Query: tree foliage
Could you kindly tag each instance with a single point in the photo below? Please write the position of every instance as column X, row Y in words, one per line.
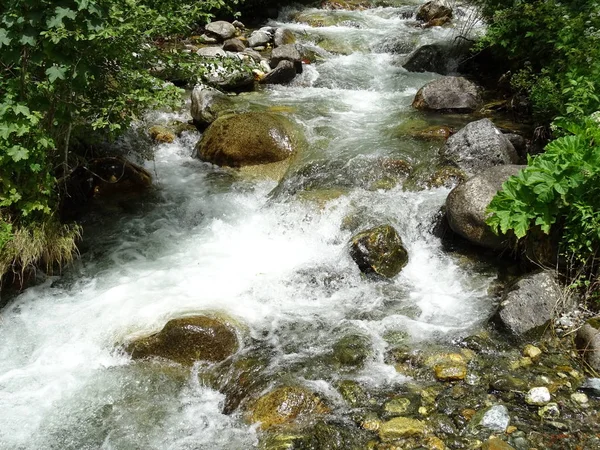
column 71, row 70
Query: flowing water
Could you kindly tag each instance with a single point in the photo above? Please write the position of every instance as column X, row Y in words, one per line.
column 274, row 260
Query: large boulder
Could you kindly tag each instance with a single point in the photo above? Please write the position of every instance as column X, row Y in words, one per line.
column 530, row 303
column 249, row 139
column 439, row 57
column 427, row 58
column 448, row 94
column 286, row 404
column 282, row 74
column 379, row 251
column 433, row 10
column 588, row 342
column 287, row 52
column 467, row 203
column 207, row 104
column 221, row 29
column 189, row 339
column 477, row 146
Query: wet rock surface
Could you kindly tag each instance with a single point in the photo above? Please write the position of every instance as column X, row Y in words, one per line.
column 249, row 139
column 379, row 251
column 187, row 340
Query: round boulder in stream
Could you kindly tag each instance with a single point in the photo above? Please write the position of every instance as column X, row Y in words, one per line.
column 188, row 339
column 248, row 139
column 379, row 251
column 477, row 146
column 466, row 206
column 285, row 405
column 448, row 94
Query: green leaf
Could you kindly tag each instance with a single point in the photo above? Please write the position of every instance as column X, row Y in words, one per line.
column 4, row 39
column 56, row 72
column 18, row 153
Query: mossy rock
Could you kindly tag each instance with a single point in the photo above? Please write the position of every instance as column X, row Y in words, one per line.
column 285, row 405
column 161, row 134
column 248, row 139
column 379, row 251
column 353, row 393
column 447, row 176
column 352, row 350
column 401, row 427
column 187, row 340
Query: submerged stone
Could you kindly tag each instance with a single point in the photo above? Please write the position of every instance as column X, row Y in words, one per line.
column 401, row 427
column 352, row 350
column 380, row 251
column 187, row 340
column 495, row 418
column 286, row 404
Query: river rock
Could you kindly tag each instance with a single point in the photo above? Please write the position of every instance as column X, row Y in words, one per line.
column 467, row 203
column 495, row 443
column 379, row 251
column 588, row 342
column 259, row 39
column 207, row 104
column 211, row 52
column 434, row 57
column 249, row 139
column 287, row 52
column 538, row 396
column 477, row 146
column 286, row 404
column 352, row 350
column 591, row 386
column 252, row 54
column 282, row 74
column 283, row 36
column 187, row 340
column 234, row 45
column 495, row 418
column 221, row 29
column 235, row 79
column 433, row 10
column 401, row 427
column 161, row 134
column 530, row 302
column 448, row 94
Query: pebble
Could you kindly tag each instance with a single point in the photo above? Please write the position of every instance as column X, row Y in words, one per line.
column 538, row 396
column 496, row 418
column 580, row 397
column 531, row 351
column 550, row 411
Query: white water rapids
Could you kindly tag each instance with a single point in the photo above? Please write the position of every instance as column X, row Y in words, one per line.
column 278, row 264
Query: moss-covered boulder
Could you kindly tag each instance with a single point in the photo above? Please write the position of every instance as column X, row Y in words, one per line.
column 248, row 139
column 352, row 350
column 285, row 405
column 188, row 339
column 379, row 251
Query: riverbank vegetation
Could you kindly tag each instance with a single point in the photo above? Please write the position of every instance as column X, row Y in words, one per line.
column 74, row 73
column 552, row 50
